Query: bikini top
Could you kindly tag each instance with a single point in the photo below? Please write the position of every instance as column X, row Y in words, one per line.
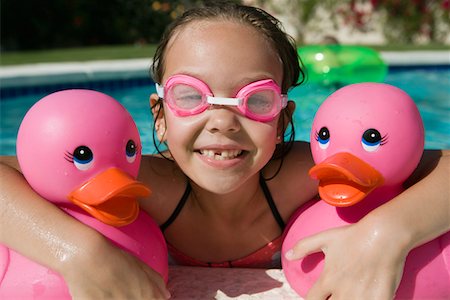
column 266, row 257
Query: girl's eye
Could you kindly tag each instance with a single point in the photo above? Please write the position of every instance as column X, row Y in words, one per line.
column 372, row 140
column 131, row 151
column 83, row 158
column 185, row 96
column 323, row 137
column 261, row 103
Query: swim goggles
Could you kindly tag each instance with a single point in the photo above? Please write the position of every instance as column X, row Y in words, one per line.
column 186, row 96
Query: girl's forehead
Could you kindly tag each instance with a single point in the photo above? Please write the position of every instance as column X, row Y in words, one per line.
column 229, row 33
column 221, row 48
column 215, row 24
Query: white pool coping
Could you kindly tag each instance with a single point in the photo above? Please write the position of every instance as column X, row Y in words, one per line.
column 416, row 58
column 56, row 73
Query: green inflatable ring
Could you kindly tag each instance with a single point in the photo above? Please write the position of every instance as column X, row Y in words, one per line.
column 342, row 64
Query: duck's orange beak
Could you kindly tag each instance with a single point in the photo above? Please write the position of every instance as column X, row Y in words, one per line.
column 110, row 197
column 344, row 179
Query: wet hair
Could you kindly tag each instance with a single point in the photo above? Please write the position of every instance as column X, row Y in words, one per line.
column 270, row 27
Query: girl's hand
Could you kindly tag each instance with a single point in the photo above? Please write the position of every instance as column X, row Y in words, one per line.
column 92, row 267
column 366, row 260
column 108, row 272
column 362, row 261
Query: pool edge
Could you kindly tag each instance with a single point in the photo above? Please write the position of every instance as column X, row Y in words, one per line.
column 50, row 73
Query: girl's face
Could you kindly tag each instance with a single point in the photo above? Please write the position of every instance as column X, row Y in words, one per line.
column 219, row 149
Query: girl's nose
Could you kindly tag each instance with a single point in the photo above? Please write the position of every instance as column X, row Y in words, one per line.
column 222, row 119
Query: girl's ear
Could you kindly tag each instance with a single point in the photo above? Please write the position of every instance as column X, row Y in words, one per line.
column 285, row 118
column 158, row 115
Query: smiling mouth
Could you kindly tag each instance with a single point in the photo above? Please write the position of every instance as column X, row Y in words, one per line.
column 220, row 154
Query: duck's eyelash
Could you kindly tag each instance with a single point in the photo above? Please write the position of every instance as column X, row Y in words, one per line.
column 384, row 140
column 316, row 135
column 69, row 157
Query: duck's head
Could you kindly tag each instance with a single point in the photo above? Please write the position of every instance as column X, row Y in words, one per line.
column 83, row 146
column 364, row 136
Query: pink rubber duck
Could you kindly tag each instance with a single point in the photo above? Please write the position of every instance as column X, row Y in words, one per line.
column 366, row 140
column 81, row 150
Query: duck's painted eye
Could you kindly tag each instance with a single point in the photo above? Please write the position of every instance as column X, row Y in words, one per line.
column 131, row 151
column 323, row 137
column 372, row 140
column 82, row 157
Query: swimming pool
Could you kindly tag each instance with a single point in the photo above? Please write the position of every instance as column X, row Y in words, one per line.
column 428, row 86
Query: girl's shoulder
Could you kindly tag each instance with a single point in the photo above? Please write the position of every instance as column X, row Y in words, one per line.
column 167, row 183
column 292, row 186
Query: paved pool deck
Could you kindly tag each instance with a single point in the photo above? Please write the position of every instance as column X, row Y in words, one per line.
column 52, row 73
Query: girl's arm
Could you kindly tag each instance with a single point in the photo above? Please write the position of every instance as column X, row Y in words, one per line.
column 373, row 251
column 90, row 265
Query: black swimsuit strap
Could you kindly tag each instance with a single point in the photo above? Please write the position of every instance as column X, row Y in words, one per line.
column 177, row 210
column 265, row 189
column 273, row 207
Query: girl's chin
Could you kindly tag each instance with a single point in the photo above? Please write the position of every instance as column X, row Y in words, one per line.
column 220, row 182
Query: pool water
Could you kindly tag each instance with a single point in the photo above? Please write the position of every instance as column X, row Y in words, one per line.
column 428, row 86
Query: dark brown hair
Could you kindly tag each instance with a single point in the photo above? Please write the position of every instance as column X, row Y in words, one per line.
column 283, row 44
column 270, row 27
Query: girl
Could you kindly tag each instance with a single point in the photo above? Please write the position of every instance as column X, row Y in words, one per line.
column 234, row 181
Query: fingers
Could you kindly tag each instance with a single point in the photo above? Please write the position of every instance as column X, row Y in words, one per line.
column 115, row 274
column 319, row 291
column 309, row 245
column 156, row 279
column 341, row 284
column 353, row 268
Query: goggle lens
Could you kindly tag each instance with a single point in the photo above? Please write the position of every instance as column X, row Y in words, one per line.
column 262, row 102
column 186, row 95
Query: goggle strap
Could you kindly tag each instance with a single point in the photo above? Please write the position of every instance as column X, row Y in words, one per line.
column 223, row 101
column 159, row 90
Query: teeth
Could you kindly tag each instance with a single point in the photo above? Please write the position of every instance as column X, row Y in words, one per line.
column 220, row 154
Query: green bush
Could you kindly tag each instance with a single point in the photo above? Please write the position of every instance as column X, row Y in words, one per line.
column 404, row 21
column 48, row 24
